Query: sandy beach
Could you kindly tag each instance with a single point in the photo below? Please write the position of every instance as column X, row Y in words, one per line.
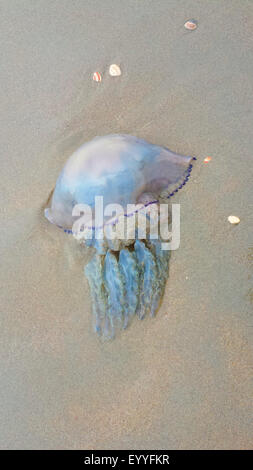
column 182, row 380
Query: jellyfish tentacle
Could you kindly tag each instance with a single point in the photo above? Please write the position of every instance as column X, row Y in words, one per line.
column 94, row 274
column 162, row 263
column 130, row 283
column 148, row 277
column 128, row 266
column 114, row 287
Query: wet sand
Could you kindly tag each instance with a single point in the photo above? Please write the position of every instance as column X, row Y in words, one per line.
column 184, row 379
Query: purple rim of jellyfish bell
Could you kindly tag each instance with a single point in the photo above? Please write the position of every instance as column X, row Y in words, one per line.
column 110, row 222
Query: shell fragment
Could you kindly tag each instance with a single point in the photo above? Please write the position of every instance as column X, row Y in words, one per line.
column 191, row 25
column 114, row 70
column 207, row 159
column 97, row 77
column 233, row 219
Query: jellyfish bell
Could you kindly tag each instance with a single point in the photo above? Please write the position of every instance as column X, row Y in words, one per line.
column 126, row 275
column 121, row 168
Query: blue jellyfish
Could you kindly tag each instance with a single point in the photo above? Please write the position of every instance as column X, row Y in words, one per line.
column 129, row 269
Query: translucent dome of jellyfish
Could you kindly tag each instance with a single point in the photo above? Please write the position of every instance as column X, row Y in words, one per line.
column 129, row 269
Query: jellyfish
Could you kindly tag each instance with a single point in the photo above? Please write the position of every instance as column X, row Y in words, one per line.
column 130, row 177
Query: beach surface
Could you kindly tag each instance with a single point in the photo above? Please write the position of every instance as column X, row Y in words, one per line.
column 182, row 380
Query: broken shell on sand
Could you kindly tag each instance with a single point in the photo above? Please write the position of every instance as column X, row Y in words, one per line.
column 114, row 70
column 233, row 219
column 191, row 25
column 97, row 77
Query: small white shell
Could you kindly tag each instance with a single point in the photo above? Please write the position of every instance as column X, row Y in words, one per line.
column 114, row 70
column 233, row 219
